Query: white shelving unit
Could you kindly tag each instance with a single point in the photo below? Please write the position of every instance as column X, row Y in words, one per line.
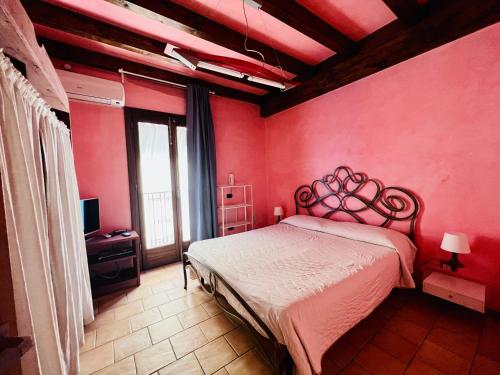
column 237, row 211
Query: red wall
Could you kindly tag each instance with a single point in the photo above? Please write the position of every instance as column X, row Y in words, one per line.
column 431, row 124
column 100, row 151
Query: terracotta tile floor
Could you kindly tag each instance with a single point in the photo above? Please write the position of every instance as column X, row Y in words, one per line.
column 158, row 328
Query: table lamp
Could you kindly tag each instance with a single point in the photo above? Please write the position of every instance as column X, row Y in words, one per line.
column 456, row 243
column 278, row 211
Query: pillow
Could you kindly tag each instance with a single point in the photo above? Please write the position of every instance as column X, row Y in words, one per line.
column 361, row 232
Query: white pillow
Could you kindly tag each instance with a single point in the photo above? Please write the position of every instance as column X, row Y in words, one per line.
column 360, row 232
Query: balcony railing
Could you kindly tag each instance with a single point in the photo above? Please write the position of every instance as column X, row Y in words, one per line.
column 158, row 219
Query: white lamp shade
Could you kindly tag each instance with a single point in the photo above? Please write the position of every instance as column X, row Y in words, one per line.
column 278, row 211
column 455, row 242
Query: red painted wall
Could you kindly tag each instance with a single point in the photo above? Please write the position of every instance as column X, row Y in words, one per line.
column 100, row 151
column 431, row 124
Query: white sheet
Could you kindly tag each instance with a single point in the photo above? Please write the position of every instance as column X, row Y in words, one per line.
column 308, row 285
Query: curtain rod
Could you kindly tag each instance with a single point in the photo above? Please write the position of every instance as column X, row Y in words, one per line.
column 175, row 84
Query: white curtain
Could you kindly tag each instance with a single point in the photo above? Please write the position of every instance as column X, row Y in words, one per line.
column 44, row 227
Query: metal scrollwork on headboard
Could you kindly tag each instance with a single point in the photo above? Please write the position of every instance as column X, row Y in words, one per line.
column 354, row 194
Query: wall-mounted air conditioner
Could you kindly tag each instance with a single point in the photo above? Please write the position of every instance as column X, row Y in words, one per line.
column 91, row 89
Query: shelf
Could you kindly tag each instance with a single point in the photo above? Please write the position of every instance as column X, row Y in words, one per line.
column 233, row 206
column 236, row 224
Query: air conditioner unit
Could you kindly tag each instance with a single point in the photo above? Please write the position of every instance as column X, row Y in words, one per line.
column 91, row 89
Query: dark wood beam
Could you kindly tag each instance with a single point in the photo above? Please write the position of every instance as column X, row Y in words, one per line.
column 185, row 20
column 407, row 10
column 446, row 21
column 77, row 24
column 83, row 56
column 303, row 20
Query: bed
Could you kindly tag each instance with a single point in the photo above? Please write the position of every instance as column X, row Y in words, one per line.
column 299, row 285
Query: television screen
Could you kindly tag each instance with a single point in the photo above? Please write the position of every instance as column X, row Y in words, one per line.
column 90, row 215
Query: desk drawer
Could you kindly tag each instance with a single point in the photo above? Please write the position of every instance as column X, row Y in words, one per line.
column 453, row 296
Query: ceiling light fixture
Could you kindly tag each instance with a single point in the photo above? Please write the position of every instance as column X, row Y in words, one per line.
column 219, row 69
column 188, row 61
column 267, row 82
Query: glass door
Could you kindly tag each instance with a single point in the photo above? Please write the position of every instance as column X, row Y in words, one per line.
column 160, row 206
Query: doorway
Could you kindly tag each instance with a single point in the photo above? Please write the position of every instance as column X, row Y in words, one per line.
column 158, row 181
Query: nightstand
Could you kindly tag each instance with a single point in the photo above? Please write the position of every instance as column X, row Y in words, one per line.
column 454, row 289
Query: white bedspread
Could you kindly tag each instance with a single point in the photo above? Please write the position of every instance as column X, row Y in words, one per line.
column 309, row 279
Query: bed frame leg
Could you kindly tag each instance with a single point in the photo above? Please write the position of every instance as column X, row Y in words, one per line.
column 184, row 271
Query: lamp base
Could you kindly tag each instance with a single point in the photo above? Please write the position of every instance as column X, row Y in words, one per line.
column 453, row 263
column 278, row 219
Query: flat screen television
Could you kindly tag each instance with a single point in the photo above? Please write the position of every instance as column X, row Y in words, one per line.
column 90, row 215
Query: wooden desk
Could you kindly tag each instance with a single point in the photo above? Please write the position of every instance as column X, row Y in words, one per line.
column 114, row 263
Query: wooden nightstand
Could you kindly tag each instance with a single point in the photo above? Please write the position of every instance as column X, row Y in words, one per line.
column 454, row 289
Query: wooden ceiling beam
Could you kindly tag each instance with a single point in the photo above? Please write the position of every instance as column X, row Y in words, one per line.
column 300, row 18
column 407, row 10
column 77, row 24
column 445, row 21
column 86, row 57
column 187, row 21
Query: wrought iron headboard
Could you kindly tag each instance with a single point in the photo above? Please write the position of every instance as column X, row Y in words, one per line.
column 341, row 192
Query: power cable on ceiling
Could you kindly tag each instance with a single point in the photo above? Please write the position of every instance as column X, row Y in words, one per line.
column 246, row 36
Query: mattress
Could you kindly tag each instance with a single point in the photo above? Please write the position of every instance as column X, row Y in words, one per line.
column 309, row 279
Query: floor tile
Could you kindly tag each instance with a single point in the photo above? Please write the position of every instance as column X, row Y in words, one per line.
column 239, row 340
column 484, row 366
column 340, row 353
column 212, row 308
column 174, row 307
column 96, row 359
column 89, row 341
column 215, row 355
column 139, row 293
column 195, row 299
column 162, row 286
column 419, row 367
column 377, row 361
column 124, row 367
column 395, row 345
column 330, row 368
column 145, row 319
column 187, row 341
column 128, row 310
column 112, row 331
column 154, row 358
column 459, row 320
column 362, row 332
column 177, row 293
column 418, row 314
column 216, row 326
column 489, row 344
column 131, row 344
column 250, row 363
column 222, row 371
column 408, row 330
column 155, row 300
column 164, row 329
column 354, row 369
column 101, row 319
column 187, row 365
column 454, row 342
column 193, row 316
column 111, row 301
column 442, row 359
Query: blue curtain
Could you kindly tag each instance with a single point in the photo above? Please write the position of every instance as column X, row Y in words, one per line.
column 201, row 164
